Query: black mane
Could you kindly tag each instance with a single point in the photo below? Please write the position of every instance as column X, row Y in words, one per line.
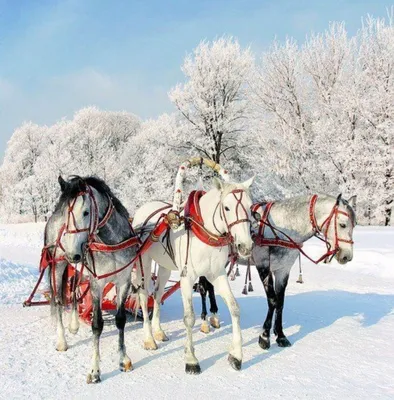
column 77, row 184
column 351, row 212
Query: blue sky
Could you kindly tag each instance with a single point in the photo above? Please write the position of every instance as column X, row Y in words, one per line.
column 57, row 56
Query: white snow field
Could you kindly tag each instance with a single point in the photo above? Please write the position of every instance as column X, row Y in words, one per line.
column 340, row 321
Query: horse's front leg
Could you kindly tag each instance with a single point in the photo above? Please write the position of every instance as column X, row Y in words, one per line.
column 162, row 277
column 97, row 328
column 281, row 279
column 192, row 365
column 223, row 288
column 57, row 302
column 120, row 318
column 268, row 283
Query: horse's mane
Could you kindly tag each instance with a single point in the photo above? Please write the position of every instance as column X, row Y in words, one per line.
column 76, row 184
column 350, row 210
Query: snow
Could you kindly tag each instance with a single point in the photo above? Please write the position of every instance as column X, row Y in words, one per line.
column 340, row 322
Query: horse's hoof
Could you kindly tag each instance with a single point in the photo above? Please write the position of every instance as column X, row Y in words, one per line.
column 126, row 366
column 160, row 336
column 150, row 345
column 283, row 342
column 93, row 378
column 73, row 330
column 193, row 369
column 204, row 327
column 234, row 362
column 264, row 342
column 61, row 347
column 215, row 322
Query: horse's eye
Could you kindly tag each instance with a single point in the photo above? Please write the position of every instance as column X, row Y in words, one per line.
column 85, row 213
column 226, row 208
column 342, row 226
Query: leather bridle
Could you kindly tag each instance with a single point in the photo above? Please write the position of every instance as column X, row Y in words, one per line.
column 321, row 232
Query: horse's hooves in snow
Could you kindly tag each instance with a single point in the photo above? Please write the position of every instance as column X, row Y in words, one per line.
column 215, row 322
column 264, row 342
column 193, row 369
column 62, row 347
column 160, row 336
column 283, row 342
column 126, row 366
column 204, row 327
column 150, row 345
column 234, row 362
column 93, row 378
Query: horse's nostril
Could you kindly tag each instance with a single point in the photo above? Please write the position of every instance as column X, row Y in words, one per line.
column 344, row 259
column 77, row 258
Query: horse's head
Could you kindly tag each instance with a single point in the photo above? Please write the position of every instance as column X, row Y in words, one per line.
column 339, row 229
column 235, row 214
column 78, row 205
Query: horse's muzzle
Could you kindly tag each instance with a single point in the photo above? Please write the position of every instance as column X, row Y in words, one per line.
column 244, row 251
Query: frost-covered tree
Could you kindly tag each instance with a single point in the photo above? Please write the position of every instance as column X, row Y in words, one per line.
column 213, row 98
column 19, row 184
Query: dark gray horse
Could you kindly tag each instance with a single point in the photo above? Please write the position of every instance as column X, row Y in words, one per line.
column 88, row 213
column 290, row 218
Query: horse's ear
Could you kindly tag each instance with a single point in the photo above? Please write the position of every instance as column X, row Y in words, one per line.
column 81, row 185
column 62, row 183
column 249, row 182
column 352, row 202
column 217, row 183
column 339, row 199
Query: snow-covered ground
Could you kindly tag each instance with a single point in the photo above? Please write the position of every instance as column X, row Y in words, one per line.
column 341, row 324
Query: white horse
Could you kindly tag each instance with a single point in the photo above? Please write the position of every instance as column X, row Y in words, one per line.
column 225, row 212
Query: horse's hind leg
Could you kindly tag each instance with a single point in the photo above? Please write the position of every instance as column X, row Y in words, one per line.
column 268, row 283
column 57, row 302
column 202, row 288
column 97, row 328
column 214, row 319
column 281, row 279
column 163, row 275
column 223, row 288
column 192, row 365
column 120, row 318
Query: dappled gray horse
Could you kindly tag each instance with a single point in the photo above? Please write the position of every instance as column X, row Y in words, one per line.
column 294, row 220
column 90, row 225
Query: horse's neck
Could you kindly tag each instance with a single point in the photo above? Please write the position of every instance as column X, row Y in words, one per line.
column 292, row 217
column 210, row 211
column 116, row 230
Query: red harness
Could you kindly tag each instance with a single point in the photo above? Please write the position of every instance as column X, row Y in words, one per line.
column 194, row 220
column 320, row 232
